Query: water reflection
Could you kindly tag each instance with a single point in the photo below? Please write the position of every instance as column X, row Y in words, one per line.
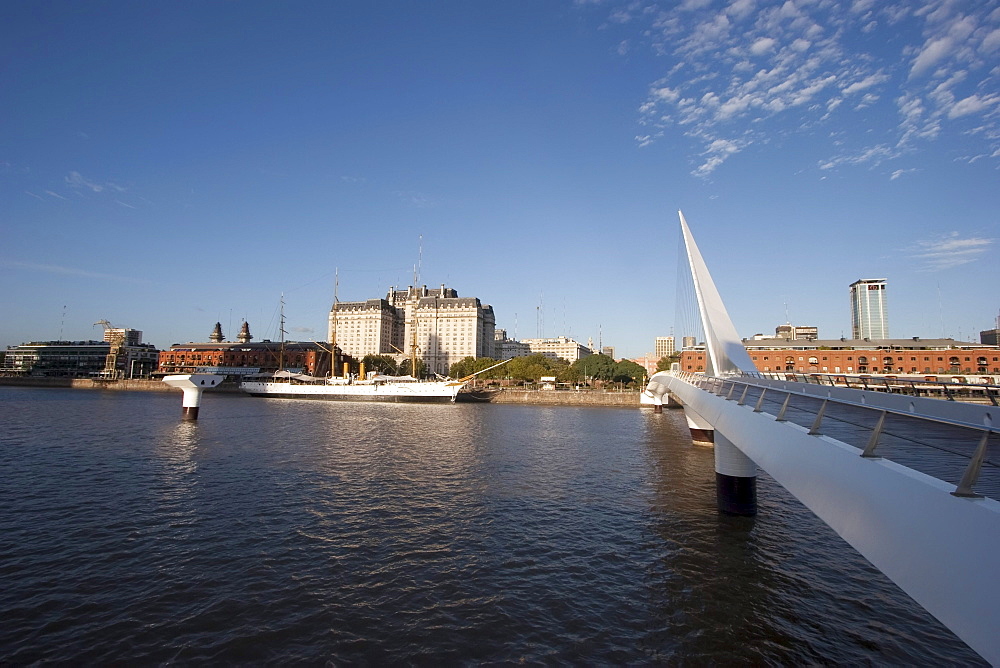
column 403, row 534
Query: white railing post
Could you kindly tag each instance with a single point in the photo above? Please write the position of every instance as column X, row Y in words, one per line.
column 964, row 488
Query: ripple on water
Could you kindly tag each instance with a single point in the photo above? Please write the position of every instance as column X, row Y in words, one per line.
column 286, row 532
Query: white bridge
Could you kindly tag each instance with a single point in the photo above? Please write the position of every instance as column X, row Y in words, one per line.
column 908, row 481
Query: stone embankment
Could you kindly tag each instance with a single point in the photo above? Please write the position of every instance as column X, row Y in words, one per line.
column 566, row 398
column 126, row 384
column 505, row 396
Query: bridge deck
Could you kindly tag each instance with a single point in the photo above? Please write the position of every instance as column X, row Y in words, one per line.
column 937, row 449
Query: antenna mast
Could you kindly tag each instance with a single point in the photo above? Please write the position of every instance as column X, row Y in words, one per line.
column 336, row 287
column 420, row 258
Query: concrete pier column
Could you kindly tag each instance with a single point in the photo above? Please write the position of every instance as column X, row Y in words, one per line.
column 735, row 479
column 193, row 385
column 702, row 433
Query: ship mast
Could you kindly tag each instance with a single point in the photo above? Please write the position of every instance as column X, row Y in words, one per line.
column 281, row 331
column 333, row 343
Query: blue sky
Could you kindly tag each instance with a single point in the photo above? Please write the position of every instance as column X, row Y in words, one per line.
column 168, row 165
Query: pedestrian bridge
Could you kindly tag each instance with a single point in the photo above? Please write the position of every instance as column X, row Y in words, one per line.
column 911, row 482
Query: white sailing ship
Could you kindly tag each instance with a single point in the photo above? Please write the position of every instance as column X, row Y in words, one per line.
column 283, row 384
column 377, row 387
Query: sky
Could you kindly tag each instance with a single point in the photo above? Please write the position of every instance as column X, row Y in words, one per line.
column 169, row 165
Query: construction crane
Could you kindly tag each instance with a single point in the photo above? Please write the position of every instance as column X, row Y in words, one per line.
column 116, row 341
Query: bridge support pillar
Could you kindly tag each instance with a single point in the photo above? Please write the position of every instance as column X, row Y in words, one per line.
column 192, row 384
column 735, row 479
column 702, row 433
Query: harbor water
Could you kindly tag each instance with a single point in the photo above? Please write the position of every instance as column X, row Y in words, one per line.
column 326, row 533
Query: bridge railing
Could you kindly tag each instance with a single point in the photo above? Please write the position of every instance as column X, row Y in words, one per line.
column 950, row 448
column 950, row 387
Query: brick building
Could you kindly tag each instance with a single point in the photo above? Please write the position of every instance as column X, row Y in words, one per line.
column 907, row 356
column 243, row 357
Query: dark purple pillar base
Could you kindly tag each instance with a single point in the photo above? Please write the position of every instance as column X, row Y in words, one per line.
column 736, row 495
column 703, row 435
column 658, row 408
column 189, row 413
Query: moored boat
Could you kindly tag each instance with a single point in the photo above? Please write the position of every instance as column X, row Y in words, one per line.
column 286, row 385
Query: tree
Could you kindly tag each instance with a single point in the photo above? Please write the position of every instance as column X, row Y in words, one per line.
column 597, row 367
column 531, row 367
column 380, row 363
column 471, row 365
column 628, row 371
column 665, row 362
column 406, row 370
column 463, row 368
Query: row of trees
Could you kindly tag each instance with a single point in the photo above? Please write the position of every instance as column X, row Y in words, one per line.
column 530, row 368
column 533, row 367
column 387, row 365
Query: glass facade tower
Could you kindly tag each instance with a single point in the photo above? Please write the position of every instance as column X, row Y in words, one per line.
column 869, row 318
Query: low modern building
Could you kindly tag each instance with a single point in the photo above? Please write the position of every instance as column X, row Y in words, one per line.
column 853, row 356
column 506, row 349
column 559, row 347
column 81, row 359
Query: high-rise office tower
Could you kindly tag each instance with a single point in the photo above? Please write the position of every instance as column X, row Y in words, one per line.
column 665, row 346
column 869, row 318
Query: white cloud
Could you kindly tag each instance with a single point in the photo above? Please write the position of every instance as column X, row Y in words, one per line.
column 991, row 42
column 932, row 53
column 866, row 83
column 76, row 180
column 740, row 8
column 718, row 151
column 71, row 271
column 972, row 105
column 923, row 67
column 950, row 251
column 26, row 192
column 762, row 46
column 56, row 195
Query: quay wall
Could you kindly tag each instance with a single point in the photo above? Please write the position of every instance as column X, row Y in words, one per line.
column 563, row 398
column 124, row 385
column 505, row 396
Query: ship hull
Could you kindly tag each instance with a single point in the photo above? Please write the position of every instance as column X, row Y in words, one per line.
column 390, row 392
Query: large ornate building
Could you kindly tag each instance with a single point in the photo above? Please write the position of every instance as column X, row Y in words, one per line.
column 443, row 327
